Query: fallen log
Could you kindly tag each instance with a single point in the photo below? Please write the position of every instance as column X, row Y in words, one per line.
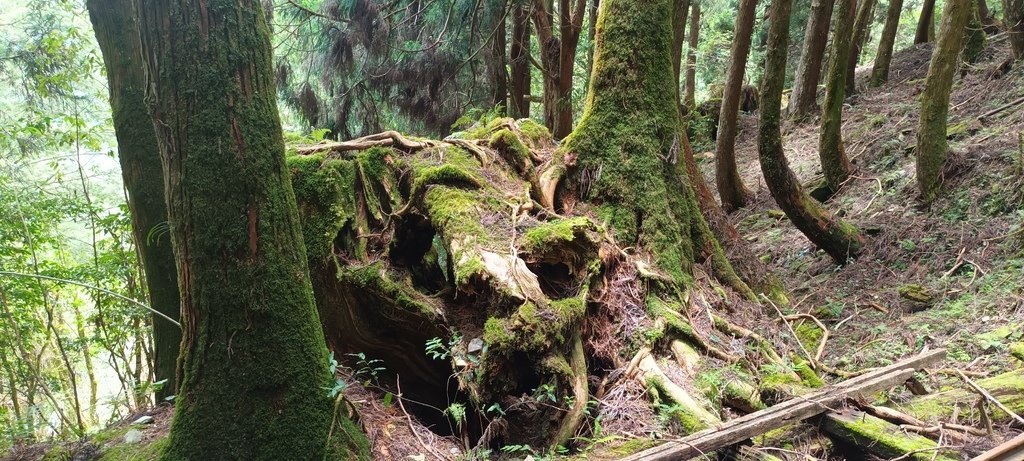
column 880, row 437
column 788, row 412
column 1007, row 388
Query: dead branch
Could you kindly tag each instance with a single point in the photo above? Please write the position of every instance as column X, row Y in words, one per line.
column 980, row 390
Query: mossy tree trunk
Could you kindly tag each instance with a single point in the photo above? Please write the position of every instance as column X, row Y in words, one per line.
column 931, row 131
column 731, row 191
column 838, row 238
column 253, row 365
column 1013, row 16
column 883, row 60
column 691, row 56
column 804, row 100
column 861, row 31
column 117, row 34
column 834, row 163
column 925, row 23
column 975, row 39
column 519, row 62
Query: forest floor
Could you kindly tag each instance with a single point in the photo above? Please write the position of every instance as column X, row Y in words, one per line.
column 960, row 259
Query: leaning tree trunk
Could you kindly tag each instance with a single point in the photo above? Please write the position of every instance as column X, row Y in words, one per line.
column 1013, row 16
column 883, row 60
column 925, row 22
column 531, row 267
column 834, row 164
column 931, row 131
column 861, row 30
column 680, row 10
column 838, row 238
column 254, row 364
column 731, row 191
column 691, row 57
column 804, row 100
column 117, row 35
column 519, row 63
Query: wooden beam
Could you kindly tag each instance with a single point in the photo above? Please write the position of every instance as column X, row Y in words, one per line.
column 1011, row 450
column 788, row 412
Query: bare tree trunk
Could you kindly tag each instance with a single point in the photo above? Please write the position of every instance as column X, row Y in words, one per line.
column 925, row 22
column 1013, row 13
column 691, row 59
column 931, row 132
column 865, row 14
column 731, row 190
column 880, row 70
column 680, row 10
column 839, row 239
column 988, row 20
column 497, row 65
column 804, row 100
column 559, row 57
column 834, row 163
column 520, row 62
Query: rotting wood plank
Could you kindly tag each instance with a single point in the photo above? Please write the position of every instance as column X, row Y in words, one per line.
column 788, row 412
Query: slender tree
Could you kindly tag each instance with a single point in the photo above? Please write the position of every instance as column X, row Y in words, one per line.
column 931, row 131
column 558, row 55
column 804, row 100
column 834, row 163
column 1013, row 16
column 838, row 238
column 519, row 61
column 253, row 362
column 680, row 10
column 731, row 190
column 880, row 70
column 861, row 30
column 925, row 23
column 117, row 34
column 497, row 66
column 689, row 99
column 988, row 20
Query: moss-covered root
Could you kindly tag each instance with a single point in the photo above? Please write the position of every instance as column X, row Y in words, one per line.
column 1007, row 387
column 687, row 410
column 880, row 437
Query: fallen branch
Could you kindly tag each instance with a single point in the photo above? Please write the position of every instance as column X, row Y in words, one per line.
column 1001, row 108
column 788, row 412
column 980, row 390
column 387, row 138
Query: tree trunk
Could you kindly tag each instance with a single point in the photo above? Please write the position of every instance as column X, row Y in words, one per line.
column 519, row 62
column 988, row 20
column 731, row 190
column 691, row 59
column 1013, row 16
column 679, row 13
column 804, row 100
column 925, row 22
column 880, row 70
column 253, row 365
column 834, row 163
column 559, row 57
column 838, row 238
column 591, row 32
column 497, row 65
column 861, row 30
column 975, row 39
column 117, row 35
column 931, row 131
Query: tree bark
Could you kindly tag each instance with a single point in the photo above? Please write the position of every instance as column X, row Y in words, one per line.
column 1013, row 14
column 975, row 39
column 838, row 238
column 804, row 100
column 680, row 10
column 117, row 34
column 834, row 163
column 253, row 365
column 691, row 56
column 988, row 20
column 865, row 14
column 731, row 190
column 519, row 62
column 925, row 23
column 497, row 65
column 931, row 132
column 883, row 60
column 559, row 57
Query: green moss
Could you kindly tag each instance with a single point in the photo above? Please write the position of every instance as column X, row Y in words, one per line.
column 807, row 374
column 58, row 452
column 555, row 232
column 884, row 438
column 809, row 335
column 1017, row 351
column 1007, row 387
column 377, row 279
column 511, row 149
column 533, row 131
column 135, row 452
column 535, row 328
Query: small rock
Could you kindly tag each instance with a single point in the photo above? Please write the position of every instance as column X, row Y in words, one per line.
column 918, row 295
column 133, row 436
column 144, row 419
column 476, row 345
column 418, row 457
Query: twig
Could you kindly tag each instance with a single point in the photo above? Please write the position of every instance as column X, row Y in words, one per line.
column 1001, row 108
column 988, row 396
column 824, row 332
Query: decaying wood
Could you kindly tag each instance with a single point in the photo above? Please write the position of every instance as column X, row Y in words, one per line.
column 387, row 138
column 788, row 412
column 881, row 438
column 1001, row 108
column 980, row 390
column 1011, row 449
